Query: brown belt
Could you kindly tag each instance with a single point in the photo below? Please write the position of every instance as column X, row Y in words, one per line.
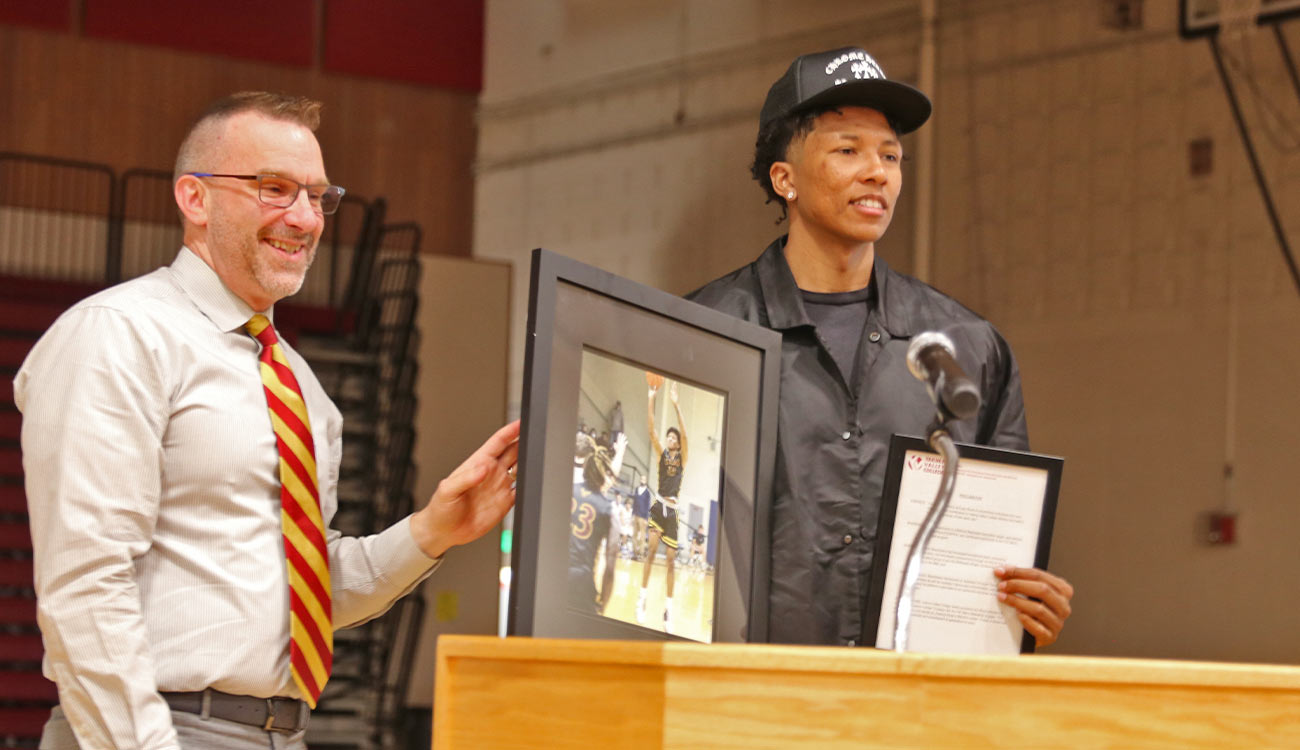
column 272, row 714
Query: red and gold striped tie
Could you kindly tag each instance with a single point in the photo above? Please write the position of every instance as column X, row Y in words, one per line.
column 311, row 629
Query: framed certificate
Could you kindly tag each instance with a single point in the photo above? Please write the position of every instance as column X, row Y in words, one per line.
column 1001, row 513
column 648, row 442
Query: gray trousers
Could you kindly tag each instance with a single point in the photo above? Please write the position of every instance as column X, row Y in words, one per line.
column 194, row 733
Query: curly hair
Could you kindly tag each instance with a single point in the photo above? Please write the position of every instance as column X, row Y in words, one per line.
column 596, row 469
column 773, row 145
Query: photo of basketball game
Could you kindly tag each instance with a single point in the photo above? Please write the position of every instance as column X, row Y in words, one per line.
column 646, row 481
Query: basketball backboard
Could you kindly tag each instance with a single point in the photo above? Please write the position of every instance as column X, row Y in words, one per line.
column 1202, row 17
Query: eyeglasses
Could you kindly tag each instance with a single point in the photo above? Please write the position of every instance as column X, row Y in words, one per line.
column 281, row 192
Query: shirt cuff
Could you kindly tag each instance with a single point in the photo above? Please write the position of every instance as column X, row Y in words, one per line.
column 404, row 560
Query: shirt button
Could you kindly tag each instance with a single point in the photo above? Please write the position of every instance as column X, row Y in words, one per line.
column 847, row 435
column 873, row 337
column 848, row 539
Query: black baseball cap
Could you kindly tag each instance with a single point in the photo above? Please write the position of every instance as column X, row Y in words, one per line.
column 847, row 76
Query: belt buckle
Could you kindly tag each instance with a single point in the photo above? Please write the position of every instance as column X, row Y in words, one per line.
column 270, row 715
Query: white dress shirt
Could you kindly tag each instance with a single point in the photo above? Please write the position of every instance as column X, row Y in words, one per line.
column 154, row 494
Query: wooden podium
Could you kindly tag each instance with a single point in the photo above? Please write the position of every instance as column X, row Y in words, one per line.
column 543, row 693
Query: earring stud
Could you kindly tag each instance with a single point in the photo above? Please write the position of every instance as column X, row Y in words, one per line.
column 789, row 196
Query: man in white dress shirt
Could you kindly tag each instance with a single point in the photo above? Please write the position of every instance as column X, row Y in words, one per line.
column 153, row 478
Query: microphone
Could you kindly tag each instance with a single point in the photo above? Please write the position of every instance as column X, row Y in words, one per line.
column 930, row 359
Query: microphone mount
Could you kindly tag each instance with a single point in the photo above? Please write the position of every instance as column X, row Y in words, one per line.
column 931, row 359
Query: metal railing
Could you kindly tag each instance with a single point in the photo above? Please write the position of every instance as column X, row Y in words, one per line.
column 56, row 218
column 81, row 222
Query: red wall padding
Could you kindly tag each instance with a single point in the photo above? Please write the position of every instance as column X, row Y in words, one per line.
column 279, row 32
column 436, row 44
column 432, row 43
column 43, row 15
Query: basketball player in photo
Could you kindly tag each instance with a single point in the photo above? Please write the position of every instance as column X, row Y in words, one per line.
column 591, row 522
column 663, row 507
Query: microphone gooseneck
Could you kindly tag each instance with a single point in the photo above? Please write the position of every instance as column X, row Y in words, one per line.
column 931, row 358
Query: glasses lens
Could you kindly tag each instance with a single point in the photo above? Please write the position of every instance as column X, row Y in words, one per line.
column 281, row 192
column 330, row 198
column 276, row 191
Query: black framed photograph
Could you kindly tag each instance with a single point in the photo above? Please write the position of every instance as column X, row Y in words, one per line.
column 645, row 464
column 1002, row 511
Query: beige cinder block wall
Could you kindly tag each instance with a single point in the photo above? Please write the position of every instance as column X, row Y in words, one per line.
column 1151, row 311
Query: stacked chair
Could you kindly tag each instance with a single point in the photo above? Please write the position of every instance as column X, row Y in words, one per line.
column 25, row 695
column 54, row 250
column 370, row 372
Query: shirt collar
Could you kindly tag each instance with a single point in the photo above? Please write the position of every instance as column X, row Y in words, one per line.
column 784, row 303
column 210, row 294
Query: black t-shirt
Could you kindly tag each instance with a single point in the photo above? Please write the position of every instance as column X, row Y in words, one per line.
column 839, row 318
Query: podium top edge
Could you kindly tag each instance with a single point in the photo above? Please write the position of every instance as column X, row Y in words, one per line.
column 866, row 661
